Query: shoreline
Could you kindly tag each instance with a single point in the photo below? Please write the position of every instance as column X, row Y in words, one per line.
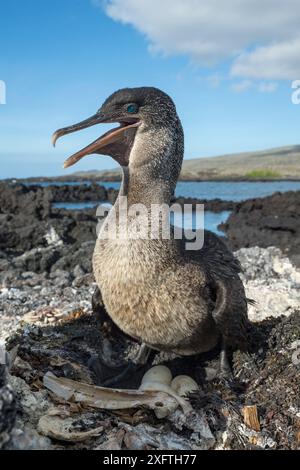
column 36, row 236
column 107, row 179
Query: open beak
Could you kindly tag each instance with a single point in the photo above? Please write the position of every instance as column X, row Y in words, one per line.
column 104, row 144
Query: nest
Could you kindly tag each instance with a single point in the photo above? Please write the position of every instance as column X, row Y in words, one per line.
column 260, row 409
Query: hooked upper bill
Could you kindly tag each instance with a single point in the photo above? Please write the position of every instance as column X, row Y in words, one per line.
column 114, row 142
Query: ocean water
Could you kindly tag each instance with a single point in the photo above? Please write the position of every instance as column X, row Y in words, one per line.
column 209, row 221
column 226, row 190
column 76, row 205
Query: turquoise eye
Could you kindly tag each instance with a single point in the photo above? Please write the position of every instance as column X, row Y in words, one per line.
column 131, row 108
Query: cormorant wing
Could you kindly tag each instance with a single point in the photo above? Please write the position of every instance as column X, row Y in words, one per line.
column 224, row 290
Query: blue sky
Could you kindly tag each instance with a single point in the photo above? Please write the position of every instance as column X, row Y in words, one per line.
column 61, row 59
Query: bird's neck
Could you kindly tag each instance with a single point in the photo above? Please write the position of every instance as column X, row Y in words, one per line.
column 148, row 185
column 140, row 187
column 154, row 166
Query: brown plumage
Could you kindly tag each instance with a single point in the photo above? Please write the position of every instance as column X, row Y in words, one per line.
column 157, row 291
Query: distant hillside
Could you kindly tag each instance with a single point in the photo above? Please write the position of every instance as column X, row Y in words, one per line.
column 274, row 164
column 277, row 163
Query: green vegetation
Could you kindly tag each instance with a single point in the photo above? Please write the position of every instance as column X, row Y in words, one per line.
column 263, row 173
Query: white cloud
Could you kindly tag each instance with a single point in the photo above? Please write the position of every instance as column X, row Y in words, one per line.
column 244, row 85
column 267, row 87
column 259, row 37
column 214, row 80
column 278, row 60
column 263, row 87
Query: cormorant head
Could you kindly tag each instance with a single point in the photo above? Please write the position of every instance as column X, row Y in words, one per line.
column 138, row 111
